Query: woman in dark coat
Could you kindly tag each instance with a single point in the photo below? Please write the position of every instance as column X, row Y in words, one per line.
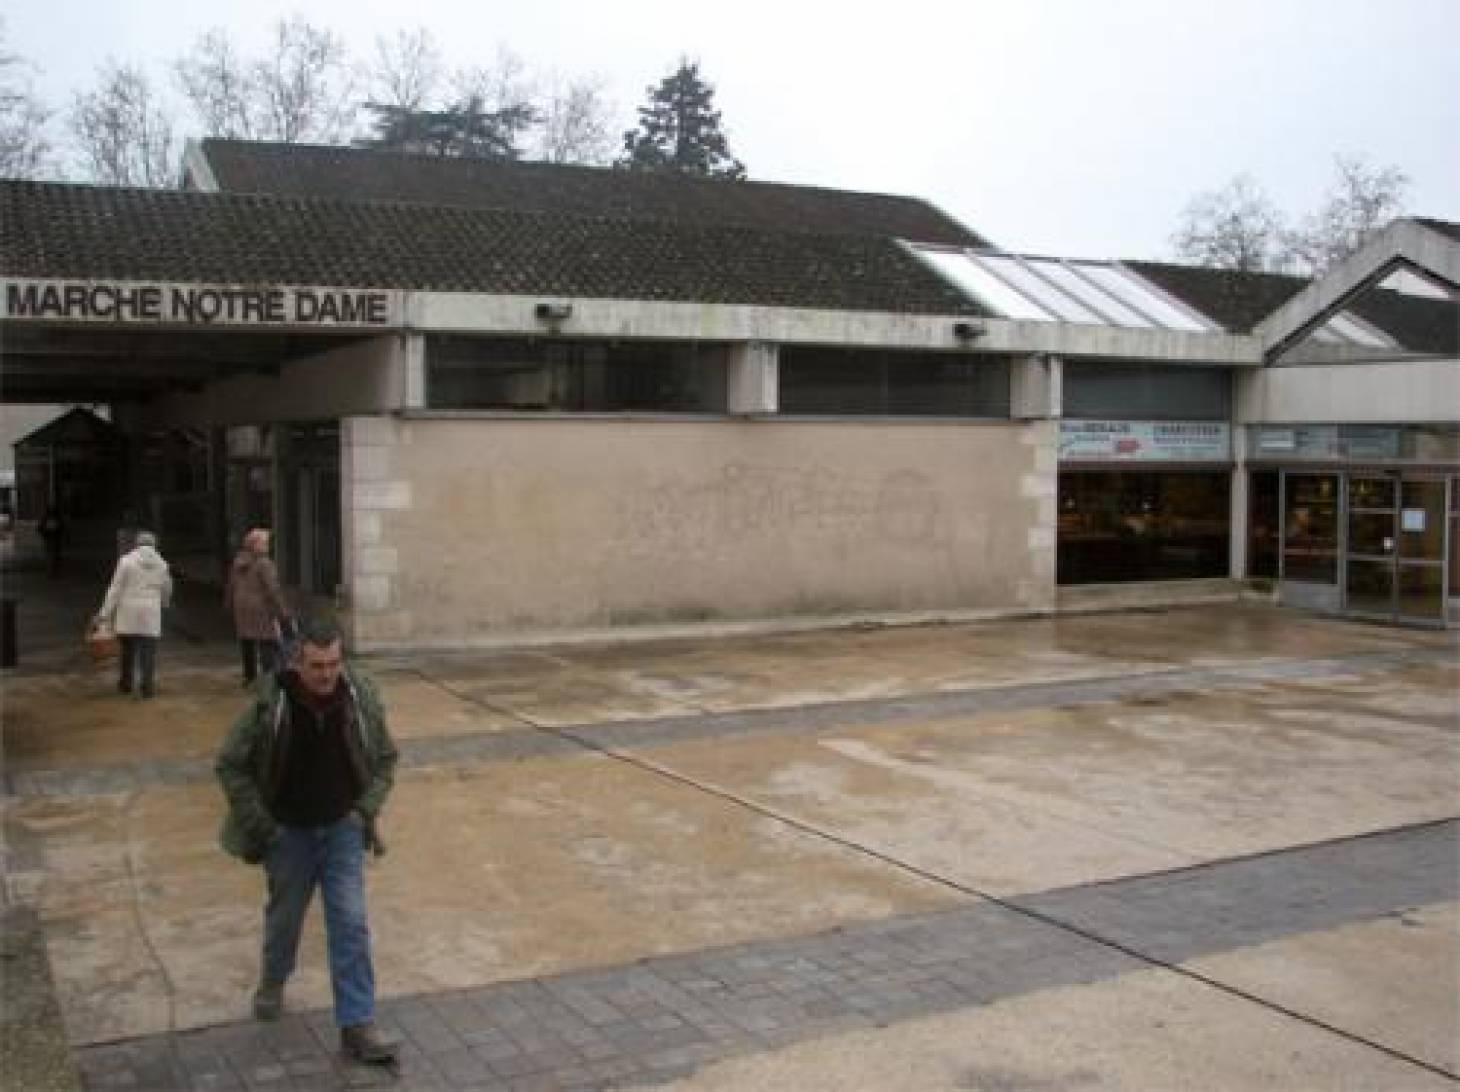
column 252, row 593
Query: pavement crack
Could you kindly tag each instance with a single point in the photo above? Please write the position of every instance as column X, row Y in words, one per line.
column 1013, row 905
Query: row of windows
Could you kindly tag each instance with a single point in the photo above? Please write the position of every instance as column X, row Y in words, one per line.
column 566, row 376
column 686, row 377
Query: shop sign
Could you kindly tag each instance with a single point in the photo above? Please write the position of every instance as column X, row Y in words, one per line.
column 1328, row 441
column 1145, row 441
column 1369, row 441
column 198, row 305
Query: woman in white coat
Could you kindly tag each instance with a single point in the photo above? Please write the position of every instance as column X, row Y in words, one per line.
column 140, row 588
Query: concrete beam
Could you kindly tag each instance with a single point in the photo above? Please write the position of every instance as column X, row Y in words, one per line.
column 1404, row 242
column 469, row 313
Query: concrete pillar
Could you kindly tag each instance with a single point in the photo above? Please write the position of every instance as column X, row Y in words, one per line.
column 373, row 494
column 1240, row 505
column 754, row 385
column 412, row 358
column 1036, row 387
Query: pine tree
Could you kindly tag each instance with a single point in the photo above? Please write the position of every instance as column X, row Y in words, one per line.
column 679, row 130
column 464, row 129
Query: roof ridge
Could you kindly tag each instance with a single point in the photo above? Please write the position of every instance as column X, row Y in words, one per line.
column 545, row 215
column 669, row 177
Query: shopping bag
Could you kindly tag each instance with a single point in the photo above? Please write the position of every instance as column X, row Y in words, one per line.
column 102, row 643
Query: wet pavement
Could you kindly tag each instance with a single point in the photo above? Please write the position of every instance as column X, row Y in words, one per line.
column 955, row 856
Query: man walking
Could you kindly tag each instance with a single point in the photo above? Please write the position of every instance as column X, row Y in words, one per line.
column 306, row 769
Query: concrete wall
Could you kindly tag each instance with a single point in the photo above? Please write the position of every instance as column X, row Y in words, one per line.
column 1417, row 392
column 459, row 530
column 370, row 376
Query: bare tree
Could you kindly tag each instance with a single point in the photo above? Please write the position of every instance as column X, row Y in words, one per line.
column 301, row 89
column 25, row 149
column 220, row 86
column 123, row 132
column 1363, row 199
column 405, row 71
column 305, row 86
column 1236, row 227
column 574, row 123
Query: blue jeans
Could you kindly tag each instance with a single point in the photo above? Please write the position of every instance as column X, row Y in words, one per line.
column 331, row 858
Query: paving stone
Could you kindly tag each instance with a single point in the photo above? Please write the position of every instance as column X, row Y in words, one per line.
column 658, row 1019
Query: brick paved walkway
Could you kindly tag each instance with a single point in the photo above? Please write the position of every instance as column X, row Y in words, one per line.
column 658, row 1019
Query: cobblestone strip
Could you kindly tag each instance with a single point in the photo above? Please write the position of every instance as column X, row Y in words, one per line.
column 529, row 742
column 662, row 1018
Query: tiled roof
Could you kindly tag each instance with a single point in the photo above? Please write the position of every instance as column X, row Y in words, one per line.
column 1233, row 300
column 301, row 170
column 1239, row 301
column 68, row 231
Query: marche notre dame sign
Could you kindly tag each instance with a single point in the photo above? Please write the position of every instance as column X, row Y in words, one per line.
column 199, row 305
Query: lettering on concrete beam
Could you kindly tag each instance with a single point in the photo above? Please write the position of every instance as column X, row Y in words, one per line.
column 195, row 305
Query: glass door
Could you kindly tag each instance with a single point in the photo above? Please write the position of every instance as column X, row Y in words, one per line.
column 1369, row 580
column 1421, row 570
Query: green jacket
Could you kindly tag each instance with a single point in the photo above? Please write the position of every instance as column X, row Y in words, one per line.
column 248, row 765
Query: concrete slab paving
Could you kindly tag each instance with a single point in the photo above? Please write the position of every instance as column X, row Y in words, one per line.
column 501, row 871
column 754, row 792
column 1015, row 802
column 1145, row 1031
column 663, row 1018
column 1394, row 980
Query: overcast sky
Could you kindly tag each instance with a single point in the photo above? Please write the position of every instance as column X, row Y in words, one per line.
column 1075, row 127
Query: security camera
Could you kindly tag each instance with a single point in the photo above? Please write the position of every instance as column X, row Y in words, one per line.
column 553, row 312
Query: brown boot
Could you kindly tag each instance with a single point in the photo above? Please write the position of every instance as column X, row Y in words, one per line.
column 364, row 1043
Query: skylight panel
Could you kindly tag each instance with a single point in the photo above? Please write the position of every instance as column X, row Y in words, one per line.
column 1142, row 296
column 1349, row 326
column 983, row 286
column 1096, row 298
column 1045, row 294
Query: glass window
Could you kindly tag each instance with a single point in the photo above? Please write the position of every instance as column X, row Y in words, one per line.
column 1371, row 533
column 1143, row 296
column 1116, row 526
column 1422, row 520
column 1037, row 288
column 569, row 376
column 1310, row 528
column 1371, row 493
column 1353, row 328
column 1126, row 392
column 1369, row 586
column 1420, row 592
column 851, row 381
column 1093, row 296
column 1455, row 538
column 1262, row 524
column 983, row 286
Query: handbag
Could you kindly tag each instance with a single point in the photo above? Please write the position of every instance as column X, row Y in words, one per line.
column 102, row 643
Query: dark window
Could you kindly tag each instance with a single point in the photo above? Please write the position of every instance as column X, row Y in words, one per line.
column 855, row 381
column 1262, row 524
column 1118, row 526
column 1146, row 392
column 575, row 376
column 1310, row 528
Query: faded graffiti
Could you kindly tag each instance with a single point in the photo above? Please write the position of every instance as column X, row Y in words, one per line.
column 743, row 503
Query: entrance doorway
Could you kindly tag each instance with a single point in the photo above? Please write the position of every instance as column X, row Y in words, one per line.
column 1371, row 543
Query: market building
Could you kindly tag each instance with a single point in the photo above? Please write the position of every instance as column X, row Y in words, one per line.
column 486, row 401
